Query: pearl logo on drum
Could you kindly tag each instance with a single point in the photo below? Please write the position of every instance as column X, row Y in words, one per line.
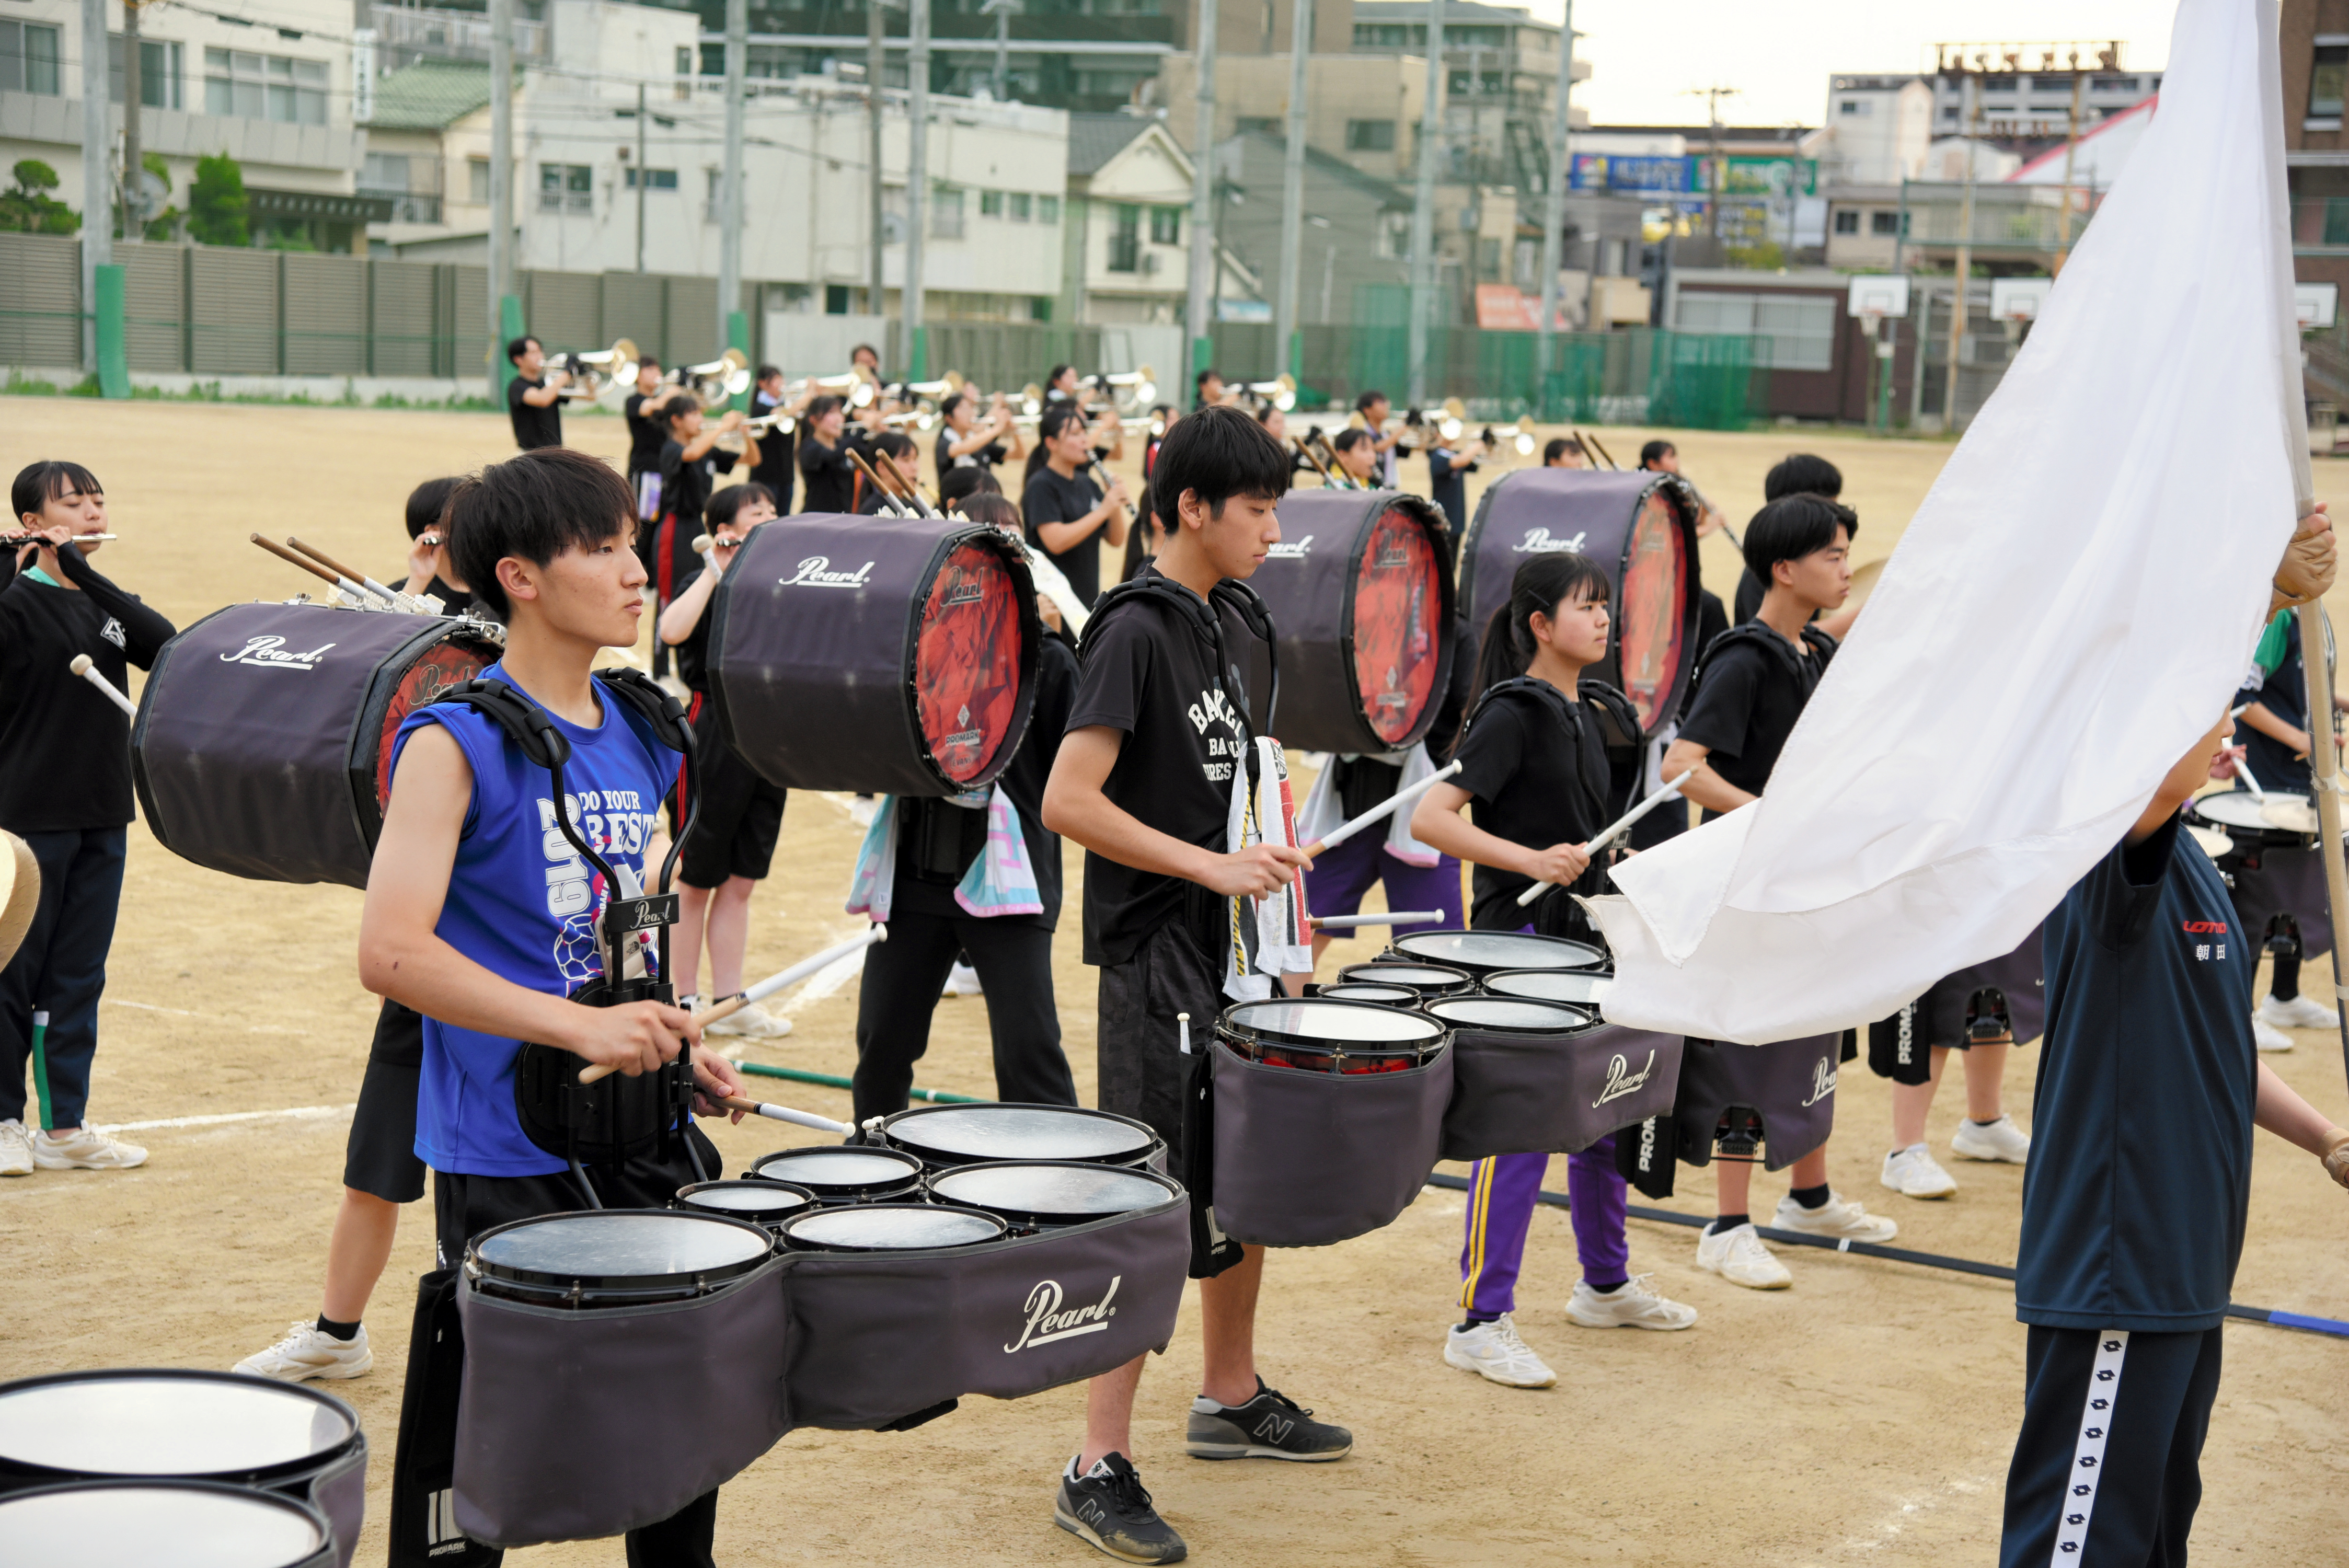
column 816, row 572
column 1823, row 1080
column 269, row 653
column 1047, row 1323
column 1537, row 542
column 1621, row 1081
column 1286, row 552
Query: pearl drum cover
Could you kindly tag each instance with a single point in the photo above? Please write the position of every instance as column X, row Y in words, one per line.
column 1639, row 527
column 1788, row 1084
column 1543, row 1077
column 262, row 742
column 884, row 656
column 1360, row 588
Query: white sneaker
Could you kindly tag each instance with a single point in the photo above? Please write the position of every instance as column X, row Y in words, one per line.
column 85, row 1149
column 962, row 980
column 1738, row 1257
column 309, row 1351
column 752, row 1022
column 1495, row 1353
column 2268, row 1037
column 16, row 1149
column 1913, row 1172
column 2001, row 1141
column 1840, row 1217
column 2303, row 1012
column 1631, row 1304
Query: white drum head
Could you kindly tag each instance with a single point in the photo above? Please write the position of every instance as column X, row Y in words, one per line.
column 168, row 1426
column 158, row 1526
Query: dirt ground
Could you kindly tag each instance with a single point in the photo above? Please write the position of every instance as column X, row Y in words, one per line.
column 1866, row 1414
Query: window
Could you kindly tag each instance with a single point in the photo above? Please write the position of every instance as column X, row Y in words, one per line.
column 1885, row 225
column 1800, row 327
column 1949, row 111
column 386, row 173
column 477, row 180
column 654, row 179
column 991, row 203
column 945, row 212
column 1394, row 231
column 159, row 71
column 1047, row 209
column 2326, row 81
column 1126, row 241
column 1490, row 84
column 568, row 187
column 1166, row 225
column 1856, row 107
column 1370, row 135
column 1021, row 205
column 1847, row 222
column 2128, row 84
column 1268, row 124
column 685, row 61
column 29, row 58
column 1460, row 83
column 265, row 86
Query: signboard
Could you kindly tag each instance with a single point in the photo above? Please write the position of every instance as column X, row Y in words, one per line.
column 1644, row 175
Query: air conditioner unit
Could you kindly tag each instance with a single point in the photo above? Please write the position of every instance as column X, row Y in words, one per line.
column 1149, row 260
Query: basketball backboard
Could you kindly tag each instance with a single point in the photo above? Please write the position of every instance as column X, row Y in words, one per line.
column 1878, row 294
column 2018, row 299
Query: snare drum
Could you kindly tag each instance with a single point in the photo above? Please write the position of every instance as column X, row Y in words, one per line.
column 765, row 1204
column 162, row 1524
column 943, row 1135
column 1577, row 988
column 1481, row 953
column 1320, row 1036
column 2246, row 820
column 1029, row 1196
column 1422, row 980
column 836, row 1173
column 1363, row 991
column 614, row 1257
column 890, row 1228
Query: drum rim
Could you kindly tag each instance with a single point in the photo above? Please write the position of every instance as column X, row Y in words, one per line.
column 1478, row 971
column 237, row 1380
column 849, row 1189
column 1321, row 1043
column 1589, row 1015
column 477, row 1268
column 806, row 1197
column 310, row 1512
column 1485, row 983
column 1463, row 981
column 1402, row 991
column 2266, row 833
column 1023, row 702
column 1433, row 525
column 784, row 1236
column 1149, row 1139
column 1173, row 1189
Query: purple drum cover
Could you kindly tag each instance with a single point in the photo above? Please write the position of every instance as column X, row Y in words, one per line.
column 883, row 656
column 1360, row 593
column 2017, row 974
column 1529, row 1094
column 1790, row 1082
column 1639, row 527
column 262, row 744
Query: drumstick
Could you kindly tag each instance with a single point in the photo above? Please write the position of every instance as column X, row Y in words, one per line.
column 888, row 496
column 82, row 666
column 1183, row 1030
column 1592, row 442
column 704, row 543
column 2244, row 769
column 390, row 596
column 913, row 490
column 726, row 1008
column 306, row 564
column 1319, row 467
column 1348, row 922
column 1344, row 830
column 1623, row 825
column 784, row 1113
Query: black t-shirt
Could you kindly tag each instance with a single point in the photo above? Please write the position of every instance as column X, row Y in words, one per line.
column 533, row 427
column 646, row 434
column 1149, row 672
column 1751, row 688
column 829, row 479
column 1536, row 778
column 2285, row 694
column 986, row 456
column 685, row 486
column 453, row 600
column 64, row 748
column 1447, row 486
column 778, row 454
column 1051, row 499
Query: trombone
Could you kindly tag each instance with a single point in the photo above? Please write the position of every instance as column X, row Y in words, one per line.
column 595, row 374
column 1280, row 392
column 738, row 439
column 728, row 375
column 1517, row 437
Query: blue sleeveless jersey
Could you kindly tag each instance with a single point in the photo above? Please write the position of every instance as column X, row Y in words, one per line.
column 523, row 905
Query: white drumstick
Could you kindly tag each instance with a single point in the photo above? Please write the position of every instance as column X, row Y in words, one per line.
column 2244, row 769
column 83, row 668
column 1183, row 1029
column 1054, row 584
column 704, row 543
column 1623, row 825
column 764, row 988
column 1385, row 809
column 1348, row 922
column 785, row 1113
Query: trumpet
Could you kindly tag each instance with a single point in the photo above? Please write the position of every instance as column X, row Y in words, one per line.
column 738, row 439
column 1136, row 388
column 1517, row 435
column 596, row 374
column 728, row 375
column 1280, row 392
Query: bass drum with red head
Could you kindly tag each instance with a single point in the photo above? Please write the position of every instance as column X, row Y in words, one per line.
column 1360, row 588
column 881, row 654
column 1640, row 528
column 262, row 742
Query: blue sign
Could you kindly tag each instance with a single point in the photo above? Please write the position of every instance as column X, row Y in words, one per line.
column 1637, row 176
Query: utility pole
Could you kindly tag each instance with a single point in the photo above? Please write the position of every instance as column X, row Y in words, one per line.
column 1423, row 208
column 729, row 188
column 1965, row 265
column 501, row 192
column 641, row 175
column 1200, row 310
column 917, row 175
column 875, row 59
column 1554, row 231
column 1712, row 97
column 1002, row 9
column 2070, row 148
column 1287, row 340
column 133, row 185
column 97, row 154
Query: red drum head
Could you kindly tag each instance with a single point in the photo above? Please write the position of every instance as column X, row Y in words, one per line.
column 443, row 667
column 967, row 664
column 1398, row 625
column 1650, row 629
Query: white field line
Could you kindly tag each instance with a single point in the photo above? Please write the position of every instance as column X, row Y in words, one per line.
column 295, row 1113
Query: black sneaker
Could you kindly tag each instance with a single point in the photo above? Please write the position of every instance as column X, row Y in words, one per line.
column 1109, row 1507
column 1269, row 1427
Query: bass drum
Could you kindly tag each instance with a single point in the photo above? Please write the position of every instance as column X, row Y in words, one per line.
column 1360, row 594
column 262, row 742
column 879, row 655
column 1640, row 528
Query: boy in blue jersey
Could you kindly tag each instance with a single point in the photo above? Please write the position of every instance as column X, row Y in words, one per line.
column 2135, row 1201
column 479, row 913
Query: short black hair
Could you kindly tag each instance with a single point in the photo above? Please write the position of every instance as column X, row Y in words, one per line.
column 968, row 481
column 821, row 406
column 536, row 506
column 1346, row 440
column 896, row 443
column 1792, row 526
column 950, row 402
column 1655, row 451
column 993, row 511
column 427, row 503
column 1560, row 446
column 1202, row 378
column 518, row 347
column 1216, row 454
column 1057, row 372
column 1057, row 419
column 1801, row 473
column 1363, row 403
column 1265, row 411
column 865, row 348
column 648, row 362
column 1538, row 586
column 37, row 484
column 734, row 498
column 677, row 406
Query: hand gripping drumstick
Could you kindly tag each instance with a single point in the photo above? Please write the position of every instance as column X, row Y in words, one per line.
column 82, row 666
column 1348, row 922
column 1344, row 830
column 729, row 1006
column 1622, row 826
column 785, row 1113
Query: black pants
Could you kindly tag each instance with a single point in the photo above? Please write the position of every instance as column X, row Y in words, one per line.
column 902, row 979
column 59, row 970
column 2107, row 1468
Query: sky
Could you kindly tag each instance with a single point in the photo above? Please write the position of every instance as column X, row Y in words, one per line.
column 1645, row 54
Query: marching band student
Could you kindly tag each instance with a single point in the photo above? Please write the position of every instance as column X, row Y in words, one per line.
column 900, row 448
column 642, row 410
column 691, row 462
column 470, row 919
column 1565, row 452
column 429, row 571
column 733, row 840
column 65, row 789
column 980, row 878
column 957, row 485
column 1146, row 791
column 1161, row 418
column 1358, row 457
column 778, row 457
column 1937, row 1023
column 1799, row 473
column 1207, row 390
column 1447, row 472
column 966, row 441
column 828, row 477
column 1755, row 681
column 1663, row 458
column 1533, row 767
column 1064, row 509
column 534, row 396
column 1374, row 409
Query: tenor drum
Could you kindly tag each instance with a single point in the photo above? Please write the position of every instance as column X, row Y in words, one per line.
column 262, row 742
column 941, row 1136
column 1364, row 991
column 1781, row 1094
column 1578, row 988
column 1360, row 594
column 608, row 1258
column 163, row 1524
column 2282, row 820
column 1421, row 980
column 890, row 1228
column 885, row 655
column 1482, row 953
column 1543, row 1077
column 1640, row 528
column 764, row 1204
column 1033, row 1196
column 837, row 1174
column 1321, row 1036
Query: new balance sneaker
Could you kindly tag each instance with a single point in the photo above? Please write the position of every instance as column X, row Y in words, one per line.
column 1108, row 1508
column 16, row 1149
column 85, row 1149
column 2001, row 1141
column 962, row 980
column 1495, row 1353
column 1271, row 1426
column 1913, row 1172
column 2303, row 1012
column 2268, row 1037
column 751, row 1021
column 309, row 1351
column 1840, row 1217
column 1631, row 1304
column 1737, row 1256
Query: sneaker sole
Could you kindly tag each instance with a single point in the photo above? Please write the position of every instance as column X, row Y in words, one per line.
column 1498, row 1382
column 1084, row 1532
column 1989, row 1158
column 1949, row 1191
column 1251, row 1451
column 1785, row 1284
column 78, row 1165
column 1581, row 1322
column 323, row 1374
column 17, row 1171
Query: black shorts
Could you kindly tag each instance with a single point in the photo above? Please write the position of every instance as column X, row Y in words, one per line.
column 1140, row 1066
column 380, row 1158
column 741, row 817
column 465, row 1206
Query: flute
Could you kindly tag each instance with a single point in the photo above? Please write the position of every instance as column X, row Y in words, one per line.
column 15, row 540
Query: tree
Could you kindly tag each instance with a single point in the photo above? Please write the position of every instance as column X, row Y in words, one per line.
column 216, row 203
column 27, row 208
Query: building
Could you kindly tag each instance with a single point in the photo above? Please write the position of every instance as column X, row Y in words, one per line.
column 2022, row 97
column 1127, row 228
column 1363, row 109
column 1500, row 83
column 1875, row 130
column 1356, row 234
column 2315, row 54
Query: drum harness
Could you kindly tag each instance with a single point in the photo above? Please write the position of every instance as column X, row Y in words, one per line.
column 618, row 1117
column 1618, row 730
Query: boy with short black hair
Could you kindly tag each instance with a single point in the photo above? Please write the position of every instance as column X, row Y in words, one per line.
column 534, row 395
column 1565, row 452
column 428, row 572
column 1374, row 408
column 778, row 464
column 642, row 412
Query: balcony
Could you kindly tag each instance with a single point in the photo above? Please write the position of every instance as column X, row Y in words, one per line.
column 451, row 35
column 407, row 207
